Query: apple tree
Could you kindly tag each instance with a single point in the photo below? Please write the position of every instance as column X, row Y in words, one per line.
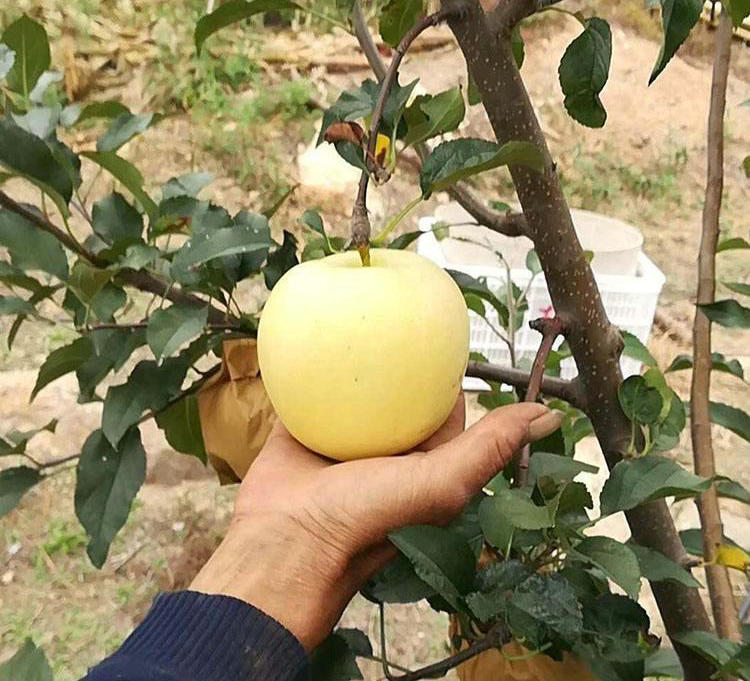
column 148, row 291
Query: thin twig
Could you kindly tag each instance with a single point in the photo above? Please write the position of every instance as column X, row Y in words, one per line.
column 550, row 328
column 143, row 325
column 509, row 224
column 717, row 576
column 144, row 281
column 185, row 393
column 360, row 228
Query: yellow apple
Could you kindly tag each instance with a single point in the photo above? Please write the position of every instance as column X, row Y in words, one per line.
column 363, row 361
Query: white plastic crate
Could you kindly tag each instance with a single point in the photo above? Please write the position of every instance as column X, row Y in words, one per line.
column 630, row 302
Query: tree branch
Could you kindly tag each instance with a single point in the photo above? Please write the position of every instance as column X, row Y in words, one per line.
column 509, row 224
column 719, row 585
column 141, row 280
column 550, row 328
column 570, row 391
column 594, row 342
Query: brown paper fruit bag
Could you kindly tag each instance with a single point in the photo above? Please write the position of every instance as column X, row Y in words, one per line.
column 235, row 412
column 495, row 666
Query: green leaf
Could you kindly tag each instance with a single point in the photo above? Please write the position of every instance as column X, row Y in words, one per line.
column 39, row 295
column 42, row 85
column 30, row 248
column 474, row 287
column 738, row 287
column 107, row 480
column 545, row 603
column 636, row 349
column 182, row 427
column 124, row 128
column 13, row 305
column 279, row 199
column 509, row 510
column 517, row 45
column 614, row 559
column 458, row 159
column 189, row 184
column 14, row 483
column 210, row 245
column 429, row 116
column 728, row 313
column 718, row 651
column 171, row 328
column 127, row 174
column 405, row 240
column 533, row 263
column 40, row 121
column 14, row 277
column 718, row 363
column 28, row 40
column 584, row 70
column 88, row 281
column 7, row 59
column 137, row 256
column 692, row 540
column 615, row 627
column 731, row 489
column 559, row 468
column 663, row 664
column 109, row 109
column 112, row 348
column 441, row 558
column 17, row 440
column 494, row 582
column 233, row 11
column 336, row 658
column 397, row 17
column 29, row 157
column 635, row 481
column 656, row 567
column 116, row 221
column 732, row 244
column 396, row 582
column 62, row 361
column 149, row 386
column 473, row 96
column 667, row 432
column 739, row 9
column 280, row 260
column 678, row 18
column 731, row 418
column 28, row 664
column 640, row 402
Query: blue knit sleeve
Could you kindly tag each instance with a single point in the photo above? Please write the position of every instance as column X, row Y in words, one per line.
column 189, row 636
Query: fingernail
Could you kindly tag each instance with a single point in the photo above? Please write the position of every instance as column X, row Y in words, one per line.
column 546, row 424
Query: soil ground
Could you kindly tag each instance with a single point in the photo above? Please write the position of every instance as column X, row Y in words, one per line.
column 645, row 166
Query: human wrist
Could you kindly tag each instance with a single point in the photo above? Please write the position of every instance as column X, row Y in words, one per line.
column 274, row 564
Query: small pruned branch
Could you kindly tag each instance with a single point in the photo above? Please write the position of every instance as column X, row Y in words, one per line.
column 568, row 390
column 42, row 465
column 360, row 221
column 509, row 13
column 510, row 224
column 550, row 328
column 140, row 280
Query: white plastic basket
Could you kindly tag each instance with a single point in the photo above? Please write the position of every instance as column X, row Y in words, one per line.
column 630, row 302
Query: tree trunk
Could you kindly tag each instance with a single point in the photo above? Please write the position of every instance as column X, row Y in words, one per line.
column 717, row 576
column 595, row 343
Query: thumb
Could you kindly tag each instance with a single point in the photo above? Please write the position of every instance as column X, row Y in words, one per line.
column 469, row 461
